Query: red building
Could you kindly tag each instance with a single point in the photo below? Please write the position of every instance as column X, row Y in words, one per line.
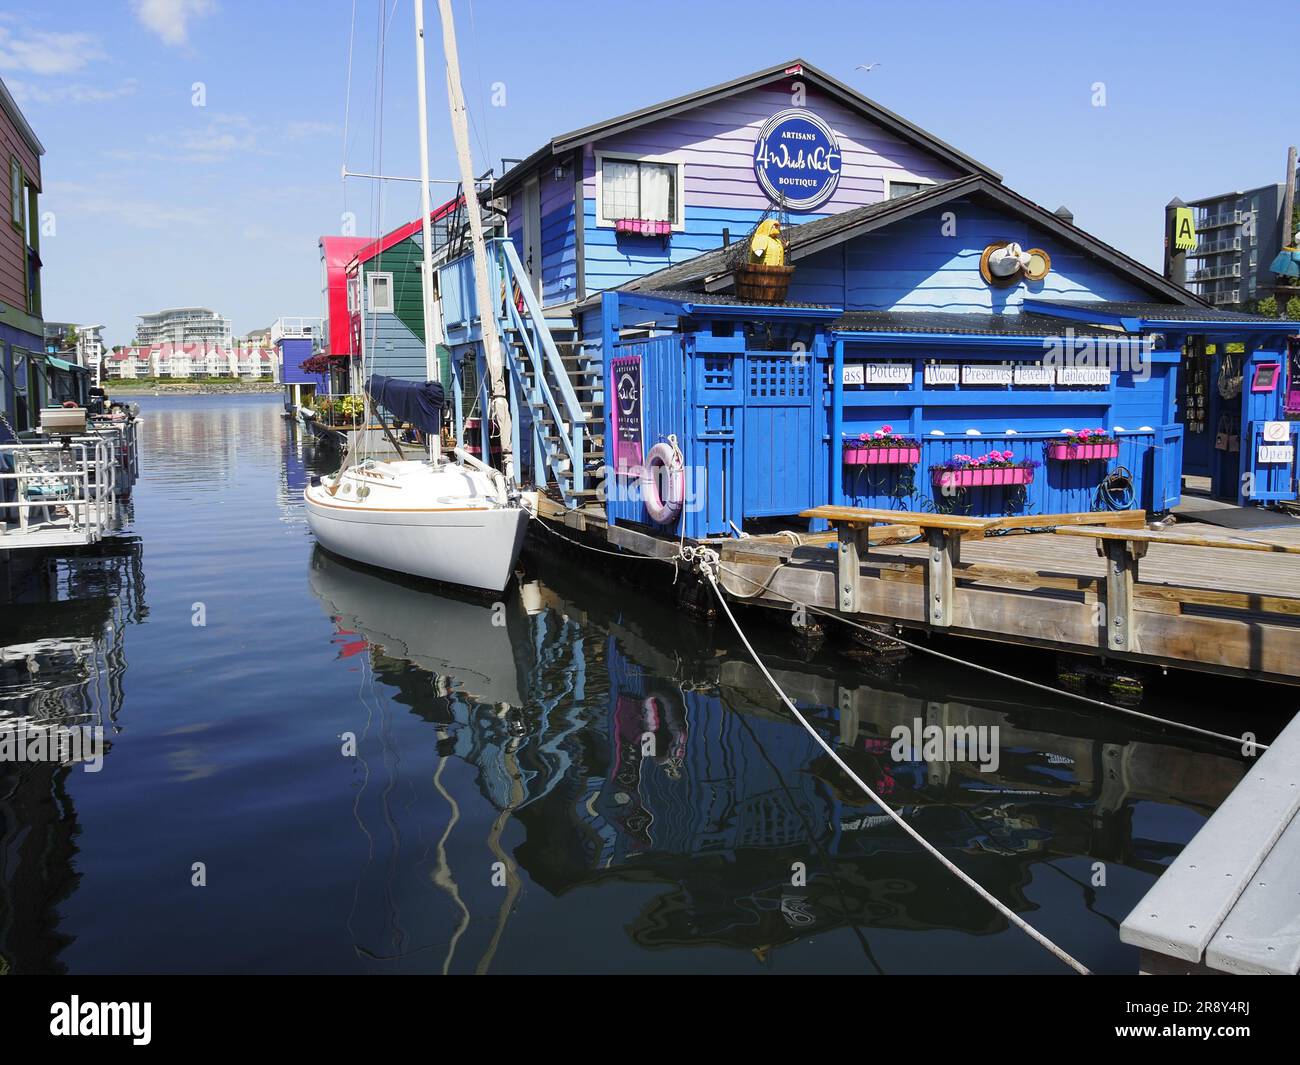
column 22, row 342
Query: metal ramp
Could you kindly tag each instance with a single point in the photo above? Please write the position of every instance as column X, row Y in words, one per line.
column 1230, row 902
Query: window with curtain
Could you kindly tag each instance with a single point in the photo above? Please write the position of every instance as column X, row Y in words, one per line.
column 632, row 188
column 899, row 189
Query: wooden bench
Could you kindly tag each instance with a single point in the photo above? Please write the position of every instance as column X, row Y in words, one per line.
column 943, row 534
column 1230, row 902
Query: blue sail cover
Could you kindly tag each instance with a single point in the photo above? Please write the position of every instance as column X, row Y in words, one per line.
column 417, row 402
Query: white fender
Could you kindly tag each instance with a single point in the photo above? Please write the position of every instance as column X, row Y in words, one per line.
column 664, row 456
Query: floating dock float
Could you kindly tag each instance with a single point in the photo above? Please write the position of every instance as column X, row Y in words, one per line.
column 1228, row 902
column 1094, row 584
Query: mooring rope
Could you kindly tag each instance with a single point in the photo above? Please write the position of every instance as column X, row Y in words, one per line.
column 1252, row 746
column 1237, row 741
column 707, row 562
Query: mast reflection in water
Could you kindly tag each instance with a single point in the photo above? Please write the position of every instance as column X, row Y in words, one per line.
column 380, row 776
column 616, row 759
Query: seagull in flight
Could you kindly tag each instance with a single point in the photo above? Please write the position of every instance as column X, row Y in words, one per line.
column 868, row 67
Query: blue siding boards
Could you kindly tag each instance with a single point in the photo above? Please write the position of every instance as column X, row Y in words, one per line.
column 393, row 350
column 559, row 255
column 915, row 265
column 294, row 351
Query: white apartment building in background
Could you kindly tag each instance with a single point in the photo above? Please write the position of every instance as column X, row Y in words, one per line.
column 184, row 325
column 183, row 361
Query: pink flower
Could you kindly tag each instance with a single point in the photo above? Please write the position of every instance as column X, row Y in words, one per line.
column 863, row 436
column 879, row 435
column 886, row 428
column 1008, row 455
column 1100, row 432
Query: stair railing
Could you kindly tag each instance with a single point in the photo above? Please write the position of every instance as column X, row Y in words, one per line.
column 543, row 355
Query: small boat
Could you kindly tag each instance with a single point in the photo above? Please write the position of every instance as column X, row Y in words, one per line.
column 445, row 519
column 459, row 521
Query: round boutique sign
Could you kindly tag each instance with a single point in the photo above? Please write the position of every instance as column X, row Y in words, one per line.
column 797, row 159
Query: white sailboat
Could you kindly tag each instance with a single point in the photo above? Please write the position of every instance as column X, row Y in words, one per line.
column 447, row 519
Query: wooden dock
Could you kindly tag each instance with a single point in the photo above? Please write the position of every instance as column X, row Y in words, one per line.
column 1095, row 584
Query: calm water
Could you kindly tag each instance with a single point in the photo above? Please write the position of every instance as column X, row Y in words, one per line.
column 498, row 814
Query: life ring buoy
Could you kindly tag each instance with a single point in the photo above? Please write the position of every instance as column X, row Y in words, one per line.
column 664, row 465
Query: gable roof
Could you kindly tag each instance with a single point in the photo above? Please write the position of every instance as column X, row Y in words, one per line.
column 710, row 272
column 10, row 107
column 854, row 100
column 373, row 248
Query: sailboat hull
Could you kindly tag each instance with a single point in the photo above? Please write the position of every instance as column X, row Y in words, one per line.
column 467, row 541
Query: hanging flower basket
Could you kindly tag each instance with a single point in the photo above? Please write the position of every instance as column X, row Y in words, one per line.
column 881, row 448
column 882, row 456
column 760, row 283
column 982, row 476
column 1081, row 452
column 1086, row 445
column 997, row 468
column 643, row 227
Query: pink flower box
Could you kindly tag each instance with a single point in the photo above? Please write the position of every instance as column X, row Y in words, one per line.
column 983, row 477
column 882, row 456
column 1082, row 452
column 642, row 227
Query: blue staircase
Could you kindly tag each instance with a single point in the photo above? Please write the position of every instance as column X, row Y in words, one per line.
column 555, row 382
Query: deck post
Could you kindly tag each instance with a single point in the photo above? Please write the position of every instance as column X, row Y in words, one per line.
column 1121, row 575
column 941, row 561
column 853, row 541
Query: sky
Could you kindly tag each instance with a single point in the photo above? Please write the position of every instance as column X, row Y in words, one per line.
column 194, row 148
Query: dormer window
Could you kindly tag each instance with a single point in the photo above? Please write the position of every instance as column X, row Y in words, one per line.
column 632, row 189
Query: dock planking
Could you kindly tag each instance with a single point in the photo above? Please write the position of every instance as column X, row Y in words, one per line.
column 1098, row 584
column 1227, row 902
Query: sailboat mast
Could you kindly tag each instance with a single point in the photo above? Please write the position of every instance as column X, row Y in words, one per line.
column 482, row 286
column 426, row 280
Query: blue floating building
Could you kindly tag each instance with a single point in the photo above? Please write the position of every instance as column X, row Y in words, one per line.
column 725, row 309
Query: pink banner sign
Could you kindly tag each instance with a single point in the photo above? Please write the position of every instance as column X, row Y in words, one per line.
column 628, row 429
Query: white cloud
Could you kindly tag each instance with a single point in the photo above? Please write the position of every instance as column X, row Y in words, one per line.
column 73, row 200
column 26, row 92
column 170, row 19
column 40, row 52
column 308, row 129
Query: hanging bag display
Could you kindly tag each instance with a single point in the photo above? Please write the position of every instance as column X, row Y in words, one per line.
column 1230, row 373
column 1228, row 436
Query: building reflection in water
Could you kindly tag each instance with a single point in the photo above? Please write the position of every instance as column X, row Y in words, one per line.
column 62, row 666
column 579, row 745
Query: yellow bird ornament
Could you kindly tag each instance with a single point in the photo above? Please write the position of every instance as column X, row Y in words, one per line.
column 765, row 247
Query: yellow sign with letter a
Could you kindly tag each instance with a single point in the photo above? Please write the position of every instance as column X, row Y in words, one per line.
column 1184, row 229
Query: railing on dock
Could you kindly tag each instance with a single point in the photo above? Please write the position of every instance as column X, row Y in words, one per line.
column 59, row 493
column 1057, row 487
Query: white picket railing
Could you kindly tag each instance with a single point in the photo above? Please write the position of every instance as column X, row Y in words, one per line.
column 59, row 493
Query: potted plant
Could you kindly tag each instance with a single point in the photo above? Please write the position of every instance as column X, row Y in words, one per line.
column 348, row 409
column 881, row 448
column 994, row 469
column 1083, row 446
